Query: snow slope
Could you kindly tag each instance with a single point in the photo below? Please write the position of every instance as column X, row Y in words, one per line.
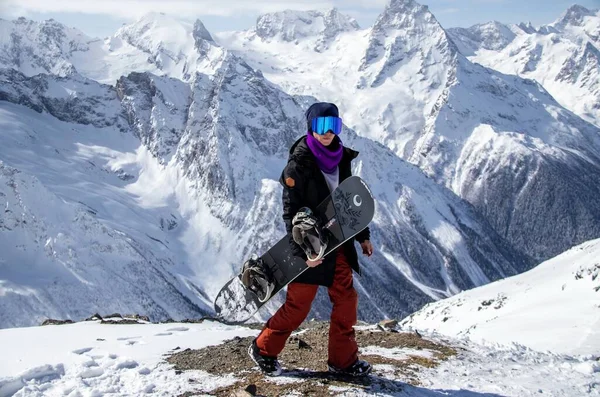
column 128, row 360
column 553, row 307
column 74, row 241
column 90, row 358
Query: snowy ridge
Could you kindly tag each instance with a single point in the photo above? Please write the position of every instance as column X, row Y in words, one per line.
column 163, row 45
column 156, row 108
column 551, row 307
column 578, row 18
column 562, row 56
column 167, row 40
column 490, row 36
column 72, row 98
column 294, row 26
column 46, row 47
column 484, row 144
column 155, row 43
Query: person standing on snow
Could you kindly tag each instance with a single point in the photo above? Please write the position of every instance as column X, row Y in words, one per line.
column 318, row 162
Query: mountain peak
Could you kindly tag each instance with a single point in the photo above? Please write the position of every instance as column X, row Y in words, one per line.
column 491, row 35
column 527, row 27
column 201, row 33
column 400, row 5
column 154, row 23
column 577, row 9
column 167, row 27
column 335, row 17
column 293, row 25
column 46, row 22
column 173, row 46
column 573, row 16
column 404, row 30
column 49, row 27
column 406, row 15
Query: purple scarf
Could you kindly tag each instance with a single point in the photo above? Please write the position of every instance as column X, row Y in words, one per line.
column 327, row 159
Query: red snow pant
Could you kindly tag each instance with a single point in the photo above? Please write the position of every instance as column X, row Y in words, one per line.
column 343, row 350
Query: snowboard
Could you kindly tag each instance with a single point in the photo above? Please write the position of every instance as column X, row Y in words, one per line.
column 344, row 213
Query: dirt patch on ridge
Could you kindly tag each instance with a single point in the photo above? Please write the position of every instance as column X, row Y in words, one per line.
column 397, row 359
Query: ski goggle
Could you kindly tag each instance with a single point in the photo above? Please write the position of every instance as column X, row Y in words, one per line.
column 321, row 125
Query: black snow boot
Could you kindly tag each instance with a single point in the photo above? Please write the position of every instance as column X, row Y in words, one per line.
column 359, row 368
column 268, row 365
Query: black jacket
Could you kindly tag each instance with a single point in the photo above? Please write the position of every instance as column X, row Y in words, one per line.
column 304, row 186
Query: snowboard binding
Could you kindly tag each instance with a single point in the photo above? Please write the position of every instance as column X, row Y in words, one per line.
column 257, row 278
column 307, row 233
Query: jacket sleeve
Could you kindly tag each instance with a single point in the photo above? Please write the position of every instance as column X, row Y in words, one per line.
column 293, row 190
column 363, row 236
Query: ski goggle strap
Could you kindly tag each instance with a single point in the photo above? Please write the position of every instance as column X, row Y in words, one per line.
column 321, row 125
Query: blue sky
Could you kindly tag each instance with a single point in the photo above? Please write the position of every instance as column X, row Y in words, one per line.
column 103, row 17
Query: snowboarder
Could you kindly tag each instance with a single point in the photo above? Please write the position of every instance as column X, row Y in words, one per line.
column 317, row 163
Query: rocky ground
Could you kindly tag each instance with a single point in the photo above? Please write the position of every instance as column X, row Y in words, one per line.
column 397, row 358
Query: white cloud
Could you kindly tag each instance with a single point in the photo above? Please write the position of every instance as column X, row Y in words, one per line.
column 135, row 8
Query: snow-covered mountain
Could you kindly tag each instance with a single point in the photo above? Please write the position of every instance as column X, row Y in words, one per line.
column 41, row 47
column 360, row 71
column 530, row 166
column 563, row 56
column 155, row 43
column 490, row 36
column 163, row 153
column 166, row 164
column 499, row 141
column 293, row 26
column 551, row 307
column 579, row 23
column 162, row 45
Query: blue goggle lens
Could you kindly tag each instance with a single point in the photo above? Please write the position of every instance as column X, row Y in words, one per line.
column 321, row 125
